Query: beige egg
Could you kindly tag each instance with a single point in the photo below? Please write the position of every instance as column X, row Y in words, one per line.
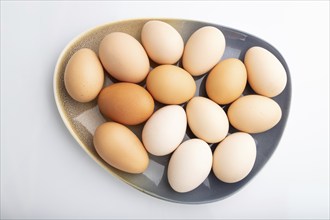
column 226, row 81
column 120, row 148
column 123, row 57
column 126, row 103
column 254, row 113
column 84, row 76
column 203, row 50
column 170, row 84
column 266, row 74
column 165, row 130
column 189, row 166
column 207, row 120
column 162, row 42
column 234, row 157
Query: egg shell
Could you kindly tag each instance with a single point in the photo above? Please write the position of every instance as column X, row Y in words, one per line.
column 165, row 130
column 203, row 50
column 189, row 165
column 254, row 113
column 123, row 57
column 120, row 148
column 126, row 103
column 226, row 81
column 234, row 157
column 84, row 76
column 170, row 84
column 266, row 74
column 162, row 42
column 207, row 120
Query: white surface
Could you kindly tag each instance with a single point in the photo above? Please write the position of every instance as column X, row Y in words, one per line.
column 44, row 172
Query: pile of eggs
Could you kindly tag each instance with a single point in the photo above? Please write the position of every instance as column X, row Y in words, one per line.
column 127, row 103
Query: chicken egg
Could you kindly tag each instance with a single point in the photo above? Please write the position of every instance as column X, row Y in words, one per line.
column 162, row 42
column 84, row 76
column 254, row 113
column 120, row 147
column 226, row 81
column 126, row 103
column 164, row 130
column 123, row 57
column 266, row 74
column 189, row 166
column 203, row 50
column 207, row 120
column 234, row 157
column 170, row 84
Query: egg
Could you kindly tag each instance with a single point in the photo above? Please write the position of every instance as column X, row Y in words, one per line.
column 254, row 113
column 266, row 74
column 84, row 76
column 203, row 50
column 164, row 130
column 234, row 157
column 120, row 147
column 123, row 57
column 189, row 165
column 126, row 103
column 226, row 81
column 170, row 84
column 162, row 42
column 207, row 120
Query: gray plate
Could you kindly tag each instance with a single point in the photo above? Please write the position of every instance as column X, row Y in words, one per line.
column 82, row 119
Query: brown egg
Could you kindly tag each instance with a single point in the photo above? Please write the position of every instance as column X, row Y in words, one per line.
column 171, row 84
column 84, row 76
column 120, row 148
column 123, row 57
column 126, row 103
column 226, row 81
column 254, row 113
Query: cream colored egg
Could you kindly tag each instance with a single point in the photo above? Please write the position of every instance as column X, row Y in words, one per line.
column 84, row 76
column 203, row 50
column 254, row 113
column 120, row 148
column 266, row 74
column 170, row 84
column 165, row 130
column 234, row 157
column 162, row 42
column 123, row 57
column 226, row 81
column 207, row 120
column 189, row 166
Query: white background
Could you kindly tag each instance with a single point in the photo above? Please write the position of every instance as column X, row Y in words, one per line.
column 45, row 173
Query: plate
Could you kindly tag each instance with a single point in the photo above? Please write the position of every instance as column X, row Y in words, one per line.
column 81, row 119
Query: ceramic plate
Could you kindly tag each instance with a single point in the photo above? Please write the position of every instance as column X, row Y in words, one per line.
column 82, row 119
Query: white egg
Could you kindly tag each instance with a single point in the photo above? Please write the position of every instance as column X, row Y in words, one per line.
column 189, row 165
column 207, row 120
column 165, row 130
column 234, row 157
